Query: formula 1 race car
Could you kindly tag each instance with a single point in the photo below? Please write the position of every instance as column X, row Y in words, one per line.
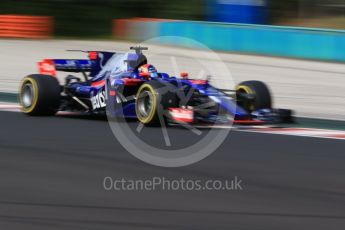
column 125, row 85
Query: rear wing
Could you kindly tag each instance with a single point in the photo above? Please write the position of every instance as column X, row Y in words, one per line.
column 96, row 61
column 50, row 66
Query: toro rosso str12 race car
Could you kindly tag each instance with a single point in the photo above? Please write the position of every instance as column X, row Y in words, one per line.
column 125, row 85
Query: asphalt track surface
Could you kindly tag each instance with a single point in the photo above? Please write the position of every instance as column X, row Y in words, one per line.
column 52, row 170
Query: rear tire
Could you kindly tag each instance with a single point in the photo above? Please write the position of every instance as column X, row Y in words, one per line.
column 39, row 95
column 263, row 99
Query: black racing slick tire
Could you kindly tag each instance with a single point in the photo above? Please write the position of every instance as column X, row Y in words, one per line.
column 152, row 101
column 39, row 95
column 260, row 91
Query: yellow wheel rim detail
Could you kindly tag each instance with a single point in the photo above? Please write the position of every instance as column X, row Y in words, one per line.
column 149, row 118
column 247, row 90
column 35, row 96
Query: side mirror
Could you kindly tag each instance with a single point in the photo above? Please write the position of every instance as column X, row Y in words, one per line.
column 93, row 55
column 184, row 75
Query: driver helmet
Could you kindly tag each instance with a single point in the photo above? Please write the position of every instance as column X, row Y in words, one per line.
column 148, row 71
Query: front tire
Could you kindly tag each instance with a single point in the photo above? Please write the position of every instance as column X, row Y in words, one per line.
column 262, row 96
column 39, row 95
column 152, row 100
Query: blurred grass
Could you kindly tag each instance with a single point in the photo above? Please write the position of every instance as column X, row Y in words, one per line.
column 324, row 22
column 93, row 18
column 72, row 18
column 308, row 13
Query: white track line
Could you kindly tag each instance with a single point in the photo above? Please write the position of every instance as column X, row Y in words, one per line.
column 305, row 132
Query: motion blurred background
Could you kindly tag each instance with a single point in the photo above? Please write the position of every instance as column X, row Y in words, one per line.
column 89, row 18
